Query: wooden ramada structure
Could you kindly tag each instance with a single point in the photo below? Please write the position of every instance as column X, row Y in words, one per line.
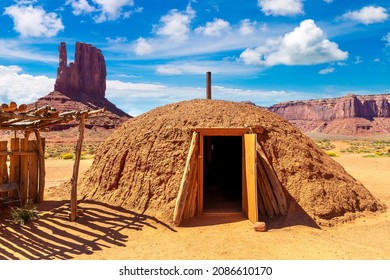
column 26, row 177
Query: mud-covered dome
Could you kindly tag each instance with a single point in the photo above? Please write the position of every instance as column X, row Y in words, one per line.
column 141, row 164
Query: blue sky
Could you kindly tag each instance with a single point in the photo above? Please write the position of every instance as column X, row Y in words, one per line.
column 158, row 51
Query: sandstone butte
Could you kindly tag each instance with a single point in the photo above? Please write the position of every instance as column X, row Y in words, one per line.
column 82, row 85
column 352, row 115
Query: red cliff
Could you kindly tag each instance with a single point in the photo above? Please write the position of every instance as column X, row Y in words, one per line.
column 348, row 115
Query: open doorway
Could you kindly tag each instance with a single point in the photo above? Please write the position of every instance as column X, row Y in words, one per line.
column 222, row 174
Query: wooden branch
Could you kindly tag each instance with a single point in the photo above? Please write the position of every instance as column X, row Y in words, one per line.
column 73, row 195
column 41, row 166
column 38, row 118
column 274, row 181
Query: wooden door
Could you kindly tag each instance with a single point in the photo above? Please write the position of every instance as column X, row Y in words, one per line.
column 250, row 181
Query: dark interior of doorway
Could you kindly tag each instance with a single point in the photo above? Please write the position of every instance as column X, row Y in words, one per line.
column 222, row 174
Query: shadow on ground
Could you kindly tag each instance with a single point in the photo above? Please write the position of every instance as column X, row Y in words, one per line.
column 53, row 236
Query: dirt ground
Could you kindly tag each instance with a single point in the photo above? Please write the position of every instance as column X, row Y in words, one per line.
column 107, row 232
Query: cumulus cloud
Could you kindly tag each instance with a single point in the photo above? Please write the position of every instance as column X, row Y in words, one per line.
column 367, row 15
column 176, row 25
column 14, row 84
column 326, row 71
column 328, row 1
column 103, row 10
column 32, row 21
column 247, row 27
column 112, row 9
column 142, row 47
column 281, row 7
column 215, row 28
column 80, row 7
column 305, row 45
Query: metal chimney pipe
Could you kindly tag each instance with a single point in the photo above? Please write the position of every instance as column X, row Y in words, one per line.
column 208, row 85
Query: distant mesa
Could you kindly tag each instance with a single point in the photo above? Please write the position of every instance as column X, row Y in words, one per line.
column 82, row 85
column 350, row 115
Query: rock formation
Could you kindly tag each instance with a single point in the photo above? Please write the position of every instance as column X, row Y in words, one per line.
column 348, row 115
column 85, row 76
column 82, row 85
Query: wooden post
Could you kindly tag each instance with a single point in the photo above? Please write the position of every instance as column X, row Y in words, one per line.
column 3, row 163
column 208, row 85
column 41, row 166
column 33, row 172
column 188, row 176
column 14, row 163
column 73, row 194
column 200, row 175
column 251, row 176
column 24, row 171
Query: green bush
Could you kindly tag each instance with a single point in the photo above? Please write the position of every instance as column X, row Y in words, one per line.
column 24, row 215
column 331, row 154
column 67, row 156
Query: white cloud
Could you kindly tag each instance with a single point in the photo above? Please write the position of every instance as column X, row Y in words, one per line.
column 176, row 25
column 142, row 47
column 12, row 49
column 169, row 70
column 116, row 40
column 32, row 21
column 305, row 45
column 112, row 9
column 13, row 85
column 228, row 66
column 80, row 7
column 103, row 10
column 215, row 28
column 326, row 71
column 358, row 60
column 247, row 27
column 367, row 15
column 328, row 1
column 387, row 39
column 281, row 7
column 138, row 98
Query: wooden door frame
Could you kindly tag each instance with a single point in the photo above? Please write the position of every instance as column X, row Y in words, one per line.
column 219, row 132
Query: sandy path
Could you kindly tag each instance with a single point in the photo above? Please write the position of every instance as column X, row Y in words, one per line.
column 106, row 232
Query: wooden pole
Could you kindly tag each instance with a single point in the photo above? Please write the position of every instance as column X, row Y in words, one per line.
column 33, row 172
column 24, row 171
column 208, row 85
column 3, row 163
column 41, row 166
column 14, row 162
column 185, row 181
column 73, row 194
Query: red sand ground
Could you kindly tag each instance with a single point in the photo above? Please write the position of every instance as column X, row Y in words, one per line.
column 106, row 232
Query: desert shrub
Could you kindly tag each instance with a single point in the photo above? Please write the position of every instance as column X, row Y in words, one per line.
column 25, row 214
column 331, row 154
column 67, row 156
column 325, row 144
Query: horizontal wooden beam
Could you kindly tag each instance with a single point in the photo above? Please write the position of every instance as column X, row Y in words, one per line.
column 16, row 153
column 223, row 131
